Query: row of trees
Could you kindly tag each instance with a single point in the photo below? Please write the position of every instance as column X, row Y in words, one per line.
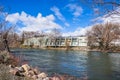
column 101, row 36
column 10, row 38
column 104, row 36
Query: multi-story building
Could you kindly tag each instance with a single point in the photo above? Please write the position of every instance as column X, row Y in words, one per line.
column 56, row 42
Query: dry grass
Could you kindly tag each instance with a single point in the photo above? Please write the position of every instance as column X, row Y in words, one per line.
column 5, row 75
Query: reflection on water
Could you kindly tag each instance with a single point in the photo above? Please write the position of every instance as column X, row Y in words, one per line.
column 95, row 65
column 115, row 61
column 99, row 66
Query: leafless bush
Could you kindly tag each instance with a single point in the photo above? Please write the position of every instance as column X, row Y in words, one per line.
column 103, row 36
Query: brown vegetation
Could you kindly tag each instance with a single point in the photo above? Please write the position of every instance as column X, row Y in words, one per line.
column 104, row 36
column 5, row 29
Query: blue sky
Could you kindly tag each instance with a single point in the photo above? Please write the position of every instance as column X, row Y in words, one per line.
column 71, row 16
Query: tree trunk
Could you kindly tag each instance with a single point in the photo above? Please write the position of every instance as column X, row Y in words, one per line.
column 6, row 45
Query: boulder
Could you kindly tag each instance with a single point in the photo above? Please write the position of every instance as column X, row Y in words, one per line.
column 34, row 77
column 47, row 78
column 39, row 79
column 42, row 75
column 26, row 67
column 36, row 71
column 31, row 72
column 55, row 78
column 18, row 73
column 20, row 69
column 13, row 71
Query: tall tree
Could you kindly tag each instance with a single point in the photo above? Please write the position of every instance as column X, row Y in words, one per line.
column 5, row 28
column 13, row 39
column 103, row 35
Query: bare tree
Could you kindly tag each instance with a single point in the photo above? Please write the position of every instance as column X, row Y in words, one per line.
column 102, row 35
column 67, row 44
column 29, row 34
column 102, row 7
column 13, row 39
column 53, row 35
column 5, row 28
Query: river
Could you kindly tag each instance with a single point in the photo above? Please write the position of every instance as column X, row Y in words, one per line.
column 94, row 65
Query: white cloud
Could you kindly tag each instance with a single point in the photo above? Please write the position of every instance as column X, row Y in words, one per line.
column 58, row 13
column 66, row 24
column 31, row 23
column 113, row 17
column 77, row 10
column 78, row 32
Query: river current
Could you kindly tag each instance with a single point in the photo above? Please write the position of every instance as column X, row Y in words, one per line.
column 94, row 65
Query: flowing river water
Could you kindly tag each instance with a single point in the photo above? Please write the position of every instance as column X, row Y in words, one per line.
column 93, row 65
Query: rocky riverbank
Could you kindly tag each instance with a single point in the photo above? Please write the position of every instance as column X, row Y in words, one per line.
column 10, row 70
column 26, row 71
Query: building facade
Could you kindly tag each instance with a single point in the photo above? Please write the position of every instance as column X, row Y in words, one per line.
column 56, row 42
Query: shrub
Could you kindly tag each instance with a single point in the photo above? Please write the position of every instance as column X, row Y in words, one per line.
column 8, row 59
